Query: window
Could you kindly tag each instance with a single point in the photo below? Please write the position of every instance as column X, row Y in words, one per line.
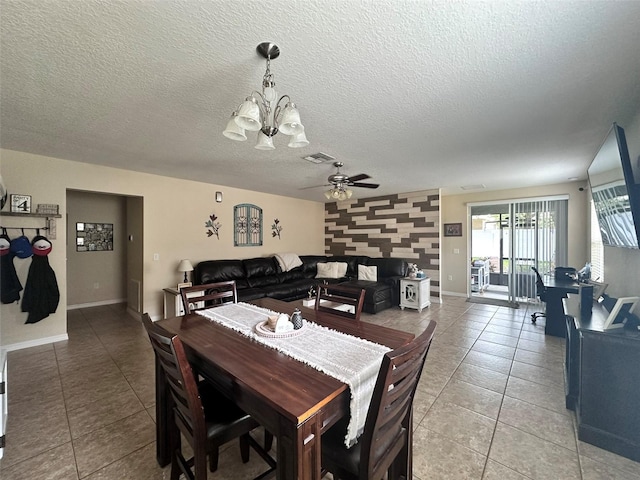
column 597, row 249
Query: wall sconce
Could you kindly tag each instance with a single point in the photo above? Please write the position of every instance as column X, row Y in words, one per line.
column 219, row 197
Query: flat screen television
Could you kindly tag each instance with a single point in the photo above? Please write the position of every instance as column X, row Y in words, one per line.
column 615, row 194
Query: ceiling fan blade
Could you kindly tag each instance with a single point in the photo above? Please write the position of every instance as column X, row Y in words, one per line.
column 315, row 186
column 357, row 178
column 364, row 185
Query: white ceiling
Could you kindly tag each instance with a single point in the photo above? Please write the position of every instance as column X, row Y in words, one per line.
column 417, row 94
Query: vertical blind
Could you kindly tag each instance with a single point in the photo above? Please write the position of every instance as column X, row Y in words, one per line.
column 540, row 238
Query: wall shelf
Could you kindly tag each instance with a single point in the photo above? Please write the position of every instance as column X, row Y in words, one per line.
column 32, row 215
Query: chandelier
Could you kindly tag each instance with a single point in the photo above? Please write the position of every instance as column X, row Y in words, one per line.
column 338, row 192
column 261, row 113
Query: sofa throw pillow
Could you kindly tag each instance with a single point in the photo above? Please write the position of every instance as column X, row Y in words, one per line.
column 288, row 261
column 368, row 273
column 341, row 269
column 327, row 270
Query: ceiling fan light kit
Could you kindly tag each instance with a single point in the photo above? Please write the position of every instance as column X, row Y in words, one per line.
column 260, row 112
column 340, row 184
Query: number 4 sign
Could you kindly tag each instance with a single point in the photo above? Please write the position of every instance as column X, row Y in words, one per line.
column 21, row 203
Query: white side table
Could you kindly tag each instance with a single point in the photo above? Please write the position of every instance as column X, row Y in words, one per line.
column 415, row 293
column 173, row 302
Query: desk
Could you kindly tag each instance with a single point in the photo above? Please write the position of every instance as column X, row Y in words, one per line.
column 603, row 381
column 556, row 291
column 292, row 400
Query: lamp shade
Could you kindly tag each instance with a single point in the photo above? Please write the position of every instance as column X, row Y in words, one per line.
column 298, row 141
column 290, row 121
column 249, row 115
column 328, row 194
column 185, row 266
column 264, row 142
column 233, row 130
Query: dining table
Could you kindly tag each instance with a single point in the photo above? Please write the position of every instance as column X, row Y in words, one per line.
column 292, row 400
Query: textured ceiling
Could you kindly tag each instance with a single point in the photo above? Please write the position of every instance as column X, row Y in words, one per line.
column 417, row 94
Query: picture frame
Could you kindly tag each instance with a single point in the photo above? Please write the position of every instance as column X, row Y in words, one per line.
column 20, row 203
column 619, row 312
column 183, row 285
column 598, row 289
column 453, row 229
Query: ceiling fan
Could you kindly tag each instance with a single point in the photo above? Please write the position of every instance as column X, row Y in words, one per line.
column 340, row 183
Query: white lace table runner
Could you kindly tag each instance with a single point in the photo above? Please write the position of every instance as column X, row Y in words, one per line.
column 349, row 359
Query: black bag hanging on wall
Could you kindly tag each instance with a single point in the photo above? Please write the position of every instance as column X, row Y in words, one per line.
column 41, row 294
column 10, row 286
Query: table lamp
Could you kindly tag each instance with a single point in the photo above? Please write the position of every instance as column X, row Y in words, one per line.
column 185, row 266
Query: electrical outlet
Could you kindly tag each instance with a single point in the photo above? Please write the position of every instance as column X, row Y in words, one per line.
column 450, row 277
column 156, row 256
column 456, row 251
column 96, row 285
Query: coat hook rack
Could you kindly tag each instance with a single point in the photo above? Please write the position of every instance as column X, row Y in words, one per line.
column 23, row 228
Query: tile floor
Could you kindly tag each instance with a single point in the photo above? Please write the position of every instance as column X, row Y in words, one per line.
column 490, row 403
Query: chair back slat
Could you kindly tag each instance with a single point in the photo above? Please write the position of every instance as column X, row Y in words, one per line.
column 388, row 419
column 330, row 296
column 208, row 295
column 172, row 357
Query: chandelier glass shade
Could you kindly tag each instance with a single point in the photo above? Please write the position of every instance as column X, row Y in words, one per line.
column 265, row 113
column 338, row 192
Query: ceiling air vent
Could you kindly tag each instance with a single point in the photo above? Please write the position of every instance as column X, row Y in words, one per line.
column 319, row 158
column 479, row 186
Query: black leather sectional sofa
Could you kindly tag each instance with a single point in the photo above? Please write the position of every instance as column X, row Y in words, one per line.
column 263, row 277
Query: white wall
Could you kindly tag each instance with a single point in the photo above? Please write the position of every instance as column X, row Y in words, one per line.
column 174, row 215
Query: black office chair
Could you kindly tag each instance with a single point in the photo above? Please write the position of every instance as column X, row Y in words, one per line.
column 541, row 292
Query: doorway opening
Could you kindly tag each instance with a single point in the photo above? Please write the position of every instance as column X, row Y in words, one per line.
column 508, row 239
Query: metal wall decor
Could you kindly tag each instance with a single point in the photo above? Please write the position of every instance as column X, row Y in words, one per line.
column 212, row 226
column 276, row 228
column 247, row 225
column 94, row 237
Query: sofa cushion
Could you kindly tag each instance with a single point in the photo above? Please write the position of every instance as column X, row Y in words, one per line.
column 374, row 292
column 260, row 267
column 211, row 271
column 309, row 263
column 261, row 271
column 327, row 270
column 368, row 273
column 291, row 275
column 341, row 269
column 389, row 267
column 352, row 263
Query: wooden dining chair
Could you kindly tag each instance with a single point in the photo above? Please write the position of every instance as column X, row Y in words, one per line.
column 199, row 297
column 387, row 429
column 205, row 417
column 340, row 300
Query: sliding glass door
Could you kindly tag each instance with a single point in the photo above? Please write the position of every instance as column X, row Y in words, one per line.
column 508, row 239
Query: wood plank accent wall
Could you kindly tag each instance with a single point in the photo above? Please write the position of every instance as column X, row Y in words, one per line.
column 404, row 226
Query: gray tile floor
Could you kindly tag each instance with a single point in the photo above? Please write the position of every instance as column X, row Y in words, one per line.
column 490, row 404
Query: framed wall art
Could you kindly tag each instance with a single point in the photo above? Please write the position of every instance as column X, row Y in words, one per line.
column 94, row 237
column 453, row 229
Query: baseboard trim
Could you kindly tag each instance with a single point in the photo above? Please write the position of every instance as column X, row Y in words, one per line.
column 96, row 304
column 36, row 343
column 454, row 294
